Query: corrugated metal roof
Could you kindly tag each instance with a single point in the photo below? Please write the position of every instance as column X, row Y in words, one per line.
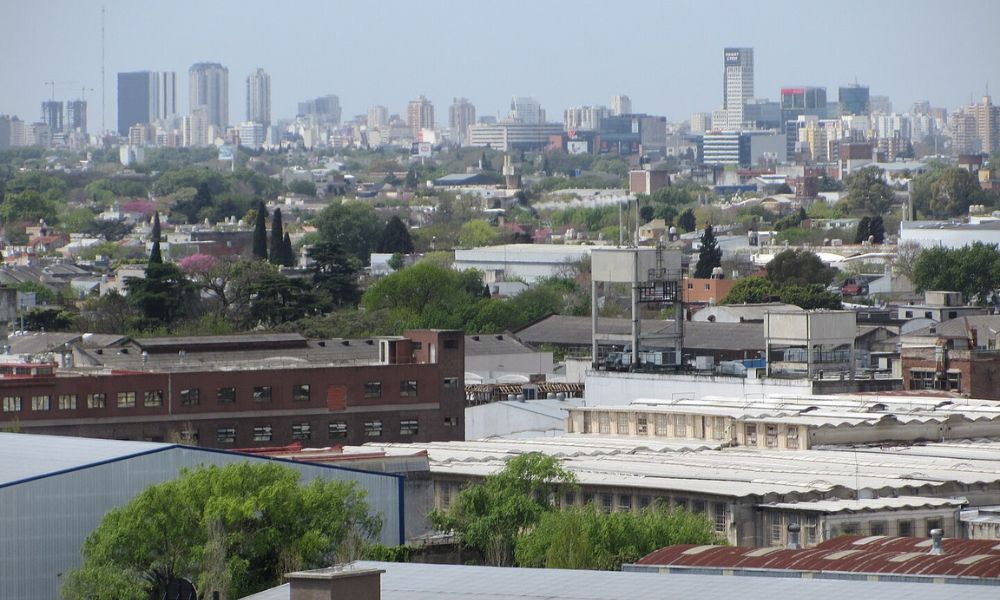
column 909, row 556
column 835, row 505
column 24, row 456
column 415, row 581
column 729, row 472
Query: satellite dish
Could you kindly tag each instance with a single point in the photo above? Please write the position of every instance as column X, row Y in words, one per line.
column 180, row 589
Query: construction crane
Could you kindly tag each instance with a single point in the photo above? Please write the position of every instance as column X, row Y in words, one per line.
column 53, row 85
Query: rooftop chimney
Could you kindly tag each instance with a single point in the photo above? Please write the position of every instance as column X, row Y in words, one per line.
column 346, row 582
column 793, row 536
column 936, row 535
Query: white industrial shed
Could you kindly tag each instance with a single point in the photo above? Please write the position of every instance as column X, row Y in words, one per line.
column 55, row 490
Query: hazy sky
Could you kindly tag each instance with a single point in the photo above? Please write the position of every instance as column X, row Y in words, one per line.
column 666, row 55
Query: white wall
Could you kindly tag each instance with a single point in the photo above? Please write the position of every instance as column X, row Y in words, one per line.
column 618, row 389
column 506, row 418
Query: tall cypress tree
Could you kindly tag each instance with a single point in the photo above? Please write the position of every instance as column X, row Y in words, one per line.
column 287, row 254
column 277, row 238
column 155, row 257
column 260, row 233
column 710, row 255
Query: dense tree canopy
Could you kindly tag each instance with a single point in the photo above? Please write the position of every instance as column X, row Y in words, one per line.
column 943, row 192
column 687, row 221
column 709, row 256
column 750, row 290
column 798, row 267
column 353, row 226
column 973, row 270
column 235, row 530
column 395, row 238
column 490, row 516
column 588, row 538
column 867, row 192
column 335, row 273
column 162, row 298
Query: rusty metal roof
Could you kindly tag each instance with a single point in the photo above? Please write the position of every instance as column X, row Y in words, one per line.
column 851, row 554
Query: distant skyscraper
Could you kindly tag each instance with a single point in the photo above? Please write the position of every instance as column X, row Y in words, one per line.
column 701, row 122
column 419, row 115
column 76, row 116
column 737, row 83
column 854, row 99
column 209, row 89
column 325, row 108
column 461, row 114
column 621, row 105
column 880, row 104
column 378, row 117
column 987, row 125
column 526, row 110
column 584, row 118
column 166, row 95
column 252, row 134
column 259, row 98
column 144, row 97
column 52, row 115
column 806, row 100
column 5, row 136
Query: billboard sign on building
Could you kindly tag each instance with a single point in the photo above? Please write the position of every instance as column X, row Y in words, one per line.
column 420, row 149
column 577, row 147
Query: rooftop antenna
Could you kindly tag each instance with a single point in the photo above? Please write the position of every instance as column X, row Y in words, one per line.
column 103, row 127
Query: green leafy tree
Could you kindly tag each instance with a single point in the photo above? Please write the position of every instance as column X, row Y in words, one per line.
column 155, row 256
column 952, row 193
column 260, row 232
column 335, row 272
column 235, row 530
column 864, row 230
column 687, row 221
column 750, row 290
column 395, row 238
column 191, row 207
column 287, row 251
column 489, row 516
column 277, row 253
column 477, row 233
column 867, row 192
column 588, row 538
column 276, row 299
column 353, row 226
column 49, row 319
column 162, row 298
column 973, row 270
column 710, row 255
column 877, row 229
column 426, row 295
column 306, row 188
column 798, row 267
column 28, row 205
column 396, row 261
column 410, row 182
column 809, row 296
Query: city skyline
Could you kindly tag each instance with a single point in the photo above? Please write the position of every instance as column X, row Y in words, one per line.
column 949, row 70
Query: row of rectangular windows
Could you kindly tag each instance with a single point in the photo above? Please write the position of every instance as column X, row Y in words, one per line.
column 335, row 430
column 192, row 396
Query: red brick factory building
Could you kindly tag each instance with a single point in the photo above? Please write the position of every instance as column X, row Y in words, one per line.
column 240, row 390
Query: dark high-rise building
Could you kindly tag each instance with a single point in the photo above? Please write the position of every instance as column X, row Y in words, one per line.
column 144, row 97
column 798, row 101
column 52, row 115
column 76, row 115
column 854, row 99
